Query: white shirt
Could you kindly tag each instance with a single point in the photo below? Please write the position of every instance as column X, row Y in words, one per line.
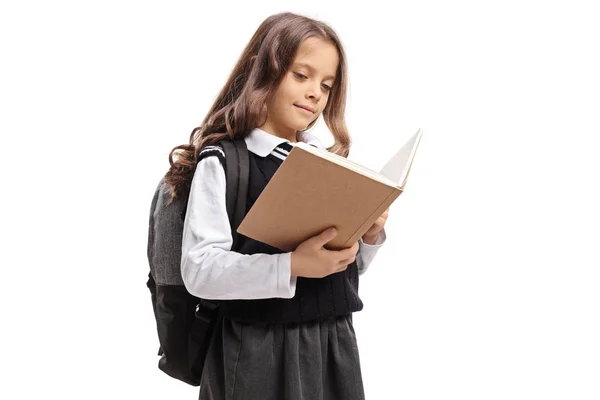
column 209, row 268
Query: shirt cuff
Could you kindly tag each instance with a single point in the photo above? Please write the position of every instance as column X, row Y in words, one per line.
column 381, row 237
column 286, row 282
column 367, row 252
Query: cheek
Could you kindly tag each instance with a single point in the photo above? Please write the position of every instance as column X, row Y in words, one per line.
column 288, row 95
column 276, row 102
column 292, row 88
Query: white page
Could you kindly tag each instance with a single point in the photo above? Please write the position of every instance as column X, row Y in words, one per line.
column 347, row 163
column 398, row 166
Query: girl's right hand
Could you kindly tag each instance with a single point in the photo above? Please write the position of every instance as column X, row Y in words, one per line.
column 312, row 260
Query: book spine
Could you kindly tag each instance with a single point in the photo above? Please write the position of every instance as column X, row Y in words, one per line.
column 373, row 217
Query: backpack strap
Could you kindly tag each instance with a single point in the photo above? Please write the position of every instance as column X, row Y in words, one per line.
column 237, row 173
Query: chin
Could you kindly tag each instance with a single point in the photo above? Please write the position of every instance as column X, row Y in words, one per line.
column 298, row 126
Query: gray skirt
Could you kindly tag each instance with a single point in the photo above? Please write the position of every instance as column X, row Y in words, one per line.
column 309, row 361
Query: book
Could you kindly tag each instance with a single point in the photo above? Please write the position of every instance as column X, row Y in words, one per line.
column 314, row 189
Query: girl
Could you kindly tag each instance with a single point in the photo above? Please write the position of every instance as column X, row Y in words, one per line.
column 287, row 330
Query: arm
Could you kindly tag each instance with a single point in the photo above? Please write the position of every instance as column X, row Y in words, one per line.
column 366, row 252
column 209, row 268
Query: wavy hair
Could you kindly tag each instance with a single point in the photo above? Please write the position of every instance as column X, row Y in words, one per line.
column 238, row 109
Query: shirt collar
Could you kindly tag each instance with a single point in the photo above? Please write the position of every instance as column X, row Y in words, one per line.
column 263, row 143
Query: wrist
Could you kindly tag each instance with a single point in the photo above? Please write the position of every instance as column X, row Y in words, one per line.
column 370, row 239
column 293, row 262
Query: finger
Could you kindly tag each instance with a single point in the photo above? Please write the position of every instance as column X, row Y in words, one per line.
column 342, row 267
column 347, row 261
column 325, row 237
column 347, row 253
column 380, row 222
column 370, row 232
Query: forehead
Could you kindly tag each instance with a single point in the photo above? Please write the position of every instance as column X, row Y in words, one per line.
column 317, row 55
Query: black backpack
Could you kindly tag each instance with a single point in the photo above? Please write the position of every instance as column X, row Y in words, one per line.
column 185, row 323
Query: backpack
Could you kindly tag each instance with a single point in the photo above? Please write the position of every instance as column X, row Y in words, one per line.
column 185, row 323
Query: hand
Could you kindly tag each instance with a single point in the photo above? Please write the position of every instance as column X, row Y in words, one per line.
column 312, row 260
column 370, row 237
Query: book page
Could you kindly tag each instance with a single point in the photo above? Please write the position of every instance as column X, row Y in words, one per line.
column 398, row 166
column 347, row 163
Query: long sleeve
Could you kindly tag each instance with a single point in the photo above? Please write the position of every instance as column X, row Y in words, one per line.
column 209, row 268
column 366, row 252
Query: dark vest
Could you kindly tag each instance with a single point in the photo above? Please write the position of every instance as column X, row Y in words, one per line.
column 315, row 298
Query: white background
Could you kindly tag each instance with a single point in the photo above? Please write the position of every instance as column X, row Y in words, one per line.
column 488, row 286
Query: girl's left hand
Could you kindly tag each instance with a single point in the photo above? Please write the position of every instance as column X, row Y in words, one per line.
column 370, row 237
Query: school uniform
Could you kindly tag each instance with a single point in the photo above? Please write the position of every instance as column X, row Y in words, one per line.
column 282, row 337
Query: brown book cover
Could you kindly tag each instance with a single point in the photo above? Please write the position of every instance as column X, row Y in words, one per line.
column 313, row 190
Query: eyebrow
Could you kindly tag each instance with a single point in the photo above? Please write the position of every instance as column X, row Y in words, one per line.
column 311, row 68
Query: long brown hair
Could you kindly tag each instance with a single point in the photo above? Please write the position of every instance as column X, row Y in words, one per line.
column 238, row 108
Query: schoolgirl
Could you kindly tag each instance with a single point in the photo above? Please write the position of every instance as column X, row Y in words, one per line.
column 287, row 330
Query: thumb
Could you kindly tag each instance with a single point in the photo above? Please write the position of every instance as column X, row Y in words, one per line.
column 325, row 236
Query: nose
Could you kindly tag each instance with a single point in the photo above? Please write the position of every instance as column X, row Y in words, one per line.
column 314, row 92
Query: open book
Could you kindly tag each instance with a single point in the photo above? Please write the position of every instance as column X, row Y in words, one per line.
column 314, row 189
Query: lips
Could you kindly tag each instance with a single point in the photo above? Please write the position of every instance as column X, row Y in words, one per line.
column 307, row 108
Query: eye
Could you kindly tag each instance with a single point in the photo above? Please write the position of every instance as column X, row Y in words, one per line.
column 327, row 88
column 299, row 75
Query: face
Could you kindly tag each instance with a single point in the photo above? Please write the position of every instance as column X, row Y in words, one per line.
column 304, row 90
